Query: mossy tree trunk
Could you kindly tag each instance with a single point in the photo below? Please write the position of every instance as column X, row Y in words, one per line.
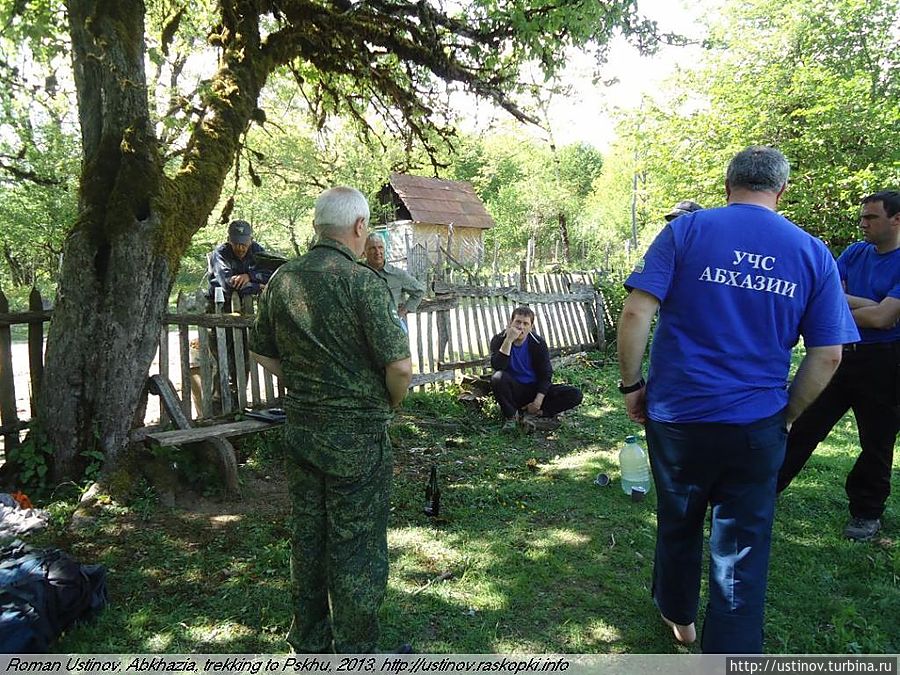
column 135, row 220
column 133, row 226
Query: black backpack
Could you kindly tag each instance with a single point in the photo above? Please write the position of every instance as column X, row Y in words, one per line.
column 43, row 593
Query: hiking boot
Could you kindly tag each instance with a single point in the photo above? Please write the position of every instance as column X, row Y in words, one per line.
column 510, row 426
column 862, row 529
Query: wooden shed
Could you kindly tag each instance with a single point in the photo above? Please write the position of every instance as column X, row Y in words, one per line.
column 430, row 220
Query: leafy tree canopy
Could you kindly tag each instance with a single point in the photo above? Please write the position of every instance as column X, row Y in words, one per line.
column 820, row 81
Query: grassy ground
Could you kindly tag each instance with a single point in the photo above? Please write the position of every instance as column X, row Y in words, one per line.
column 527, row 556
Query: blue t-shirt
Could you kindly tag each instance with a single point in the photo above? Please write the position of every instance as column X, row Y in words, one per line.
column 737, row 286
column 520, row 364
column 870, row 274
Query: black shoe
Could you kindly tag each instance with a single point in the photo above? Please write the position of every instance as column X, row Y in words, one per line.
column 862, row 529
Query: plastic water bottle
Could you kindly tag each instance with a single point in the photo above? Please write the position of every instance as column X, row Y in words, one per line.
column 634, row 466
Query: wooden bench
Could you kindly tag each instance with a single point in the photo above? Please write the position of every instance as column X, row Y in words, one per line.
column 214, row 436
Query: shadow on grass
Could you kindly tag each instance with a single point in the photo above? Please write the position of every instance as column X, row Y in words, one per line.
column 528, row 554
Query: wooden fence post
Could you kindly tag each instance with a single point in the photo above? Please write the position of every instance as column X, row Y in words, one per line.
column 35, row 347
column 8, row 415
column 222, row 357
column 184, row 348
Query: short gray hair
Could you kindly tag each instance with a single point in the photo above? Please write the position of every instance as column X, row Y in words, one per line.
column 338, row 208
column 759, row 168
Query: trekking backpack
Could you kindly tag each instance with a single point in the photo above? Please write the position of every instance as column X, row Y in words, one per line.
column 43, row 593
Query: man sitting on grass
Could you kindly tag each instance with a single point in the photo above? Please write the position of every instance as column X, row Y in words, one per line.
column 522, row 380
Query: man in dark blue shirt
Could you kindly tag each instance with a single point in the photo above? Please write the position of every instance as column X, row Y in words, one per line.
column 867, row 381
column 523, row 374
column 233, row 266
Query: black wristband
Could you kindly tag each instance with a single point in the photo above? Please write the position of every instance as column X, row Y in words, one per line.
column 640, row 384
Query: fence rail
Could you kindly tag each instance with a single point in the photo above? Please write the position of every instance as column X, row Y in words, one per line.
column 450, row 334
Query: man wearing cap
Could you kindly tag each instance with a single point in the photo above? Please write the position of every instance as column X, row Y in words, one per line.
column 868, row 381
column 233, row 265
column 406, row 291
column 735, row 287
column 682, row 208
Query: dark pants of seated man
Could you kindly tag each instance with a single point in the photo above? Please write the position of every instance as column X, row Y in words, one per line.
column 512, row 395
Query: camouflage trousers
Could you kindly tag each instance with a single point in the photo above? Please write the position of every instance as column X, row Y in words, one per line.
column 339, row 482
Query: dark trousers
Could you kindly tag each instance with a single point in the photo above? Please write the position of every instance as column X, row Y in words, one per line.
column 866, row 382
column 512, row 395
column 730, row 468
column 339, row 483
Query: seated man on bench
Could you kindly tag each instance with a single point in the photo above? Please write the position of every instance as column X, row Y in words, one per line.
column 523, row 374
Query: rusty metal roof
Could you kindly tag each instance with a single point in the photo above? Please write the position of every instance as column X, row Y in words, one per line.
column 436, row 201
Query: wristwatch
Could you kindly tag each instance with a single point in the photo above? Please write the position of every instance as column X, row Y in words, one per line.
column 640, row 384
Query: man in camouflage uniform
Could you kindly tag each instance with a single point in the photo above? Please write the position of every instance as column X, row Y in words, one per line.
column 327, row 326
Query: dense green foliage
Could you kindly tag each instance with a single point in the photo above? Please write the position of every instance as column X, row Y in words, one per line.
column 820, row 81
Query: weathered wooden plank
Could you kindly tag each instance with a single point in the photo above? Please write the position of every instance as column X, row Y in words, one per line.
column 8, row 413
column 573, row 310
column 269, row 385
column 594, row 316
column 483, row 328
column 584, row 310
column 455, row 320
column 420, row 358
column 444, row 288
column 206, row 373
column 440, row 303
column 248, row 309
column 420, row 379
column 197, row 434
column 562, row 311
column 169, row 401
column 184, row 353
column 545, row 326
column 240, row 359
column 222, row 363
column 14, row 428
column 598, row 320
column 429, row 337
column 35, row 347
column 7, row 319
column 558, row 310
column 223, row 319
column 224, row 452
column 163, row 365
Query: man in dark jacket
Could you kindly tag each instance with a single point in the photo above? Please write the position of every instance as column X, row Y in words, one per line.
column 523, row 373
column 233, row 266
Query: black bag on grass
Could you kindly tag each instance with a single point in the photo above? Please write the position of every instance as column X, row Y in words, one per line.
column 43, row 593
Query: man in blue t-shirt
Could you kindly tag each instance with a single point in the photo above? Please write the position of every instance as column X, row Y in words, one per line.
column 867, row 380
column 735, row 287
column 522, row 380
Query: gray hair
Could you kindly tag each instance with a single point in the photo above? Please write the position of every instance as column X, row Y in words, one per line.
column 759, row 168
column 338, row 208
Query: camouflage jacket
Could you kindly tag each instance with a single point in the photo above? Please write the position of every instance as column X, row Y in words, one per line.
column 331, row 322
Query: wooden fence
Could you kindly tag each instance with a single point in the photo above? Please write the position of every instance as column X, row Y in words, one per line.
column 449, row 334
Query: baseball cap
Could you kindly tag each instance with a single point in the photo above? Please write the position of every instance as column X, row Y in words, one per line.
column 240, row 232
column 683, row 207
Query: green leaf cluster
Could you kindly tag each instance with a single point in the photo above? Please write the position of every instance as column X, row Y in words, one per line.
column 820, row 81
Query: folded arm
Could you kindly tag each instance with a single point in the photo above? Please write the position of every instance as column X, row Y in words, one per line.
column 881, row 315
